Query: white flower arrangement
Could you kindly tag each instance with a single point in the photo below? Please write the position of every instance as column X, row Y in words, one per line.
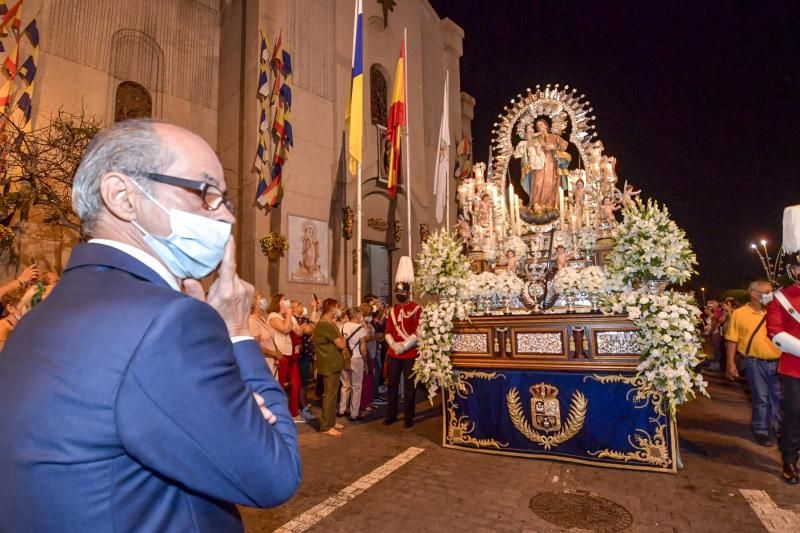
column 432, row 366
column 668, row 339
column 516, row 244
column 444, row 272
column 442, row 269
column 487, row 284
column 562, row 238
column 592, row 280
column 586, row 239
column 567, row 281
column 508, row 285
column 649, row 245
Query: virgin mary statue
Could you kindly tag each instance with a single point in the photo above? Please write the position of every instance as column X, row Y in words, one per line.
column 540, row 178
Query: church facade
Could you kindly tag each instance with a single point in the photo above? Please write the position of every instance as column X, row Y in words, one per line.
column 196, row 63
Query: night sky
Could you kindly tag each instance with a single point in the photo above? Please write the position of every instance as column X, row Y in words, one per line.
column 699, row 102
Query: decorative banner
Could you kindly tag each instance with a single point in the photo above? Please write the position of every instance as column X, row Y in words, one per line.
column 594, row 418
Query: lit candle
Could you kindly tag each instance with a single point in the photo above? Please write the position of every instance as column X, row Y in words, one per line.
column 515, row 213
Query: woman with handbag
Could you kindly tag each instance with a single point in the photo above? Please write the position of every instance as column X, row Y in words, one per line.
column 329, row 345
column 353, row 374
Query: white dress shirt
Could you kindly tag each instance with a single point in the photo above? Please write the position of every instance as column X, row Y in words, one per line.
column 143, row 257
column 153, row 263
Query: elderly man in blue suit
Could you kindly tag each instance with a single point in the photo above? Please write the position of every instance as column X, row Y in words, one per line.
column 131, row 400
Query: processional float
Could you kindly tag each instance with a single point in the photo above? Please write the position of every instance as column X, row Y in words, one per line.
column 538, row 374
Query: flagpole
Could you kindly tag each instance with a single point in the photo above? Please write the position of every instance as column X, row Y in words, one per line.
column 408, row 144
column 358, row 235
column 447, row 177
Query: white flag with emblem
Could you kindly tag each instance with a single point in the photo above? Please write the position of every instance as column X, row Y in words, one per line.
column 442, row 157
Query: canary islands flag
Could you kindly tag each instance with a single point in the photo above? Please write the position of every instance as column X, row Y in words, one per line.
column 355, row 111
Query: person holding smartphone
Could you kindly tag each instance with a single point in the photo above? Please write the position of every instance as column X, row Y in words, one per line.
column 281, row 322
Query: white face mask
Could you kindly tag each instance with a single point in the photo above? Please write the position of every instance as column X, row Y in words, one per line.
column 195, row 246
column 766, row 298
column 374, row 309
column 305, row 311
column 262, row 303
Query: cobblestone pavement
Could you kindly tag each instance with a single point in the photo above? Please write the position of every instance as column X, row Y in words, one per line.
column 452, row 490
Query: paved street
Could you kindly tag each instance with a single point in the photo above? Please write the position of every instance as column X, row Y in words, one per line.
column 448, row 490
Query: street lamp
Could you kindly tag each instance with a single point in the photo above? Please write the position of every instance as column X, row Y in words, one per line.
column 770, row 267
column 703, row 292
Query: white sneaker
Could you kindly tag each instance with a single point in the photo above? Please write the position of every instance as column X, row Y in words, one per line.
column 298, row 420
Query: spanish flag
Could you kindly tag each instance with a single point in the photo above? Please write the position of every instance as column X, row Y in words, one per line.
column 397, row 119
column 355, row 111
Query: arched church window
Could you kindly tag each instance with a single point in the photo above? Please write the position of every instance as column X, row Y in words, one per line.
column 132, row 101
column 378, row 96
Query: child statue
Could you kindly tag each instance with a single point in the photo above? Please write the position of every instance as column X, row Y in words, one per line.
column 628, row 193
column 511, row 259
column 605, row 214
column 561, row 257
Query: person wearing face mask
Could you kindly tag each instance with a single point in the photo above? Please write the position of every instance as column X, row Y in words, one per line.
column 281, row 323
column 401, row 336
column 377, row 347
column 758, row 357
column 355, row 336
column 783, row 327
column 329, row 343
column 304, row 352
column 165, row 414
column 261, row 332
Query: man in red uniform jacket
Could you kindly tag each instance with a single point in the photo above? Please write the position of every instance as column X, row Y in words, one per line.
column 401, row 336
column 783, row 327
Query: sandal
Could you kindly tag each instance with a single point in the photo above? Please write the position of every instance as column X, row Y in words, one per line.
column 333, row 432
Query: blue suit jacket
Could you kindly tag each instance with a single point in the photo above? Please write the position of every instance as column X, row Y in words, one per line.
column 125, row 407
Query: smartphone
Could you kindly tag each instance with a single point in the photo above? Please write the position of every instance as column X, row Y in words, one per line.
column 315, row 297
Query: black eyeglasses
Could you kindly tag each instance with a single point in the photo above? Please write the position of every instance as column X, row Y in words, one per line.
column 213, row 197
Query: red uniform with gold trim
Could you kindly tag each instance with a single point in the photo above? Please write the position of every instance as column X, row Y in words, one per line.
column 779, row 320
column 402, row 322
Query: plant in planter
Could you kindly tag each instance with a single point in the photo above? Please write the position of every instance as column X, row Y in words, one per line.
column 273, row 244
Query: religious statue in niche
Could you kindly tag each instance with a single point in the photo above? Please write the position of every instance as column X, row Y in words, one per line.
column 308, row 251
column 543, row 156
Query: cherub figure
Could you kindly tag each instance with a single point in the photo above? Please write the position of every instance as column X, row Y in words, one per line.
column 628, row 193
column 485, row 210
column 578, row 196
column 465, row 231
column 605, row 214
column 561, row 257
column 511, row 258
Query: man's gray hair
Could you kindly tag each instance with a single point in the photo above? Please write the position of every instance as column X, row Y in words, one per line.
column 754, row 284
column 133, row 146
